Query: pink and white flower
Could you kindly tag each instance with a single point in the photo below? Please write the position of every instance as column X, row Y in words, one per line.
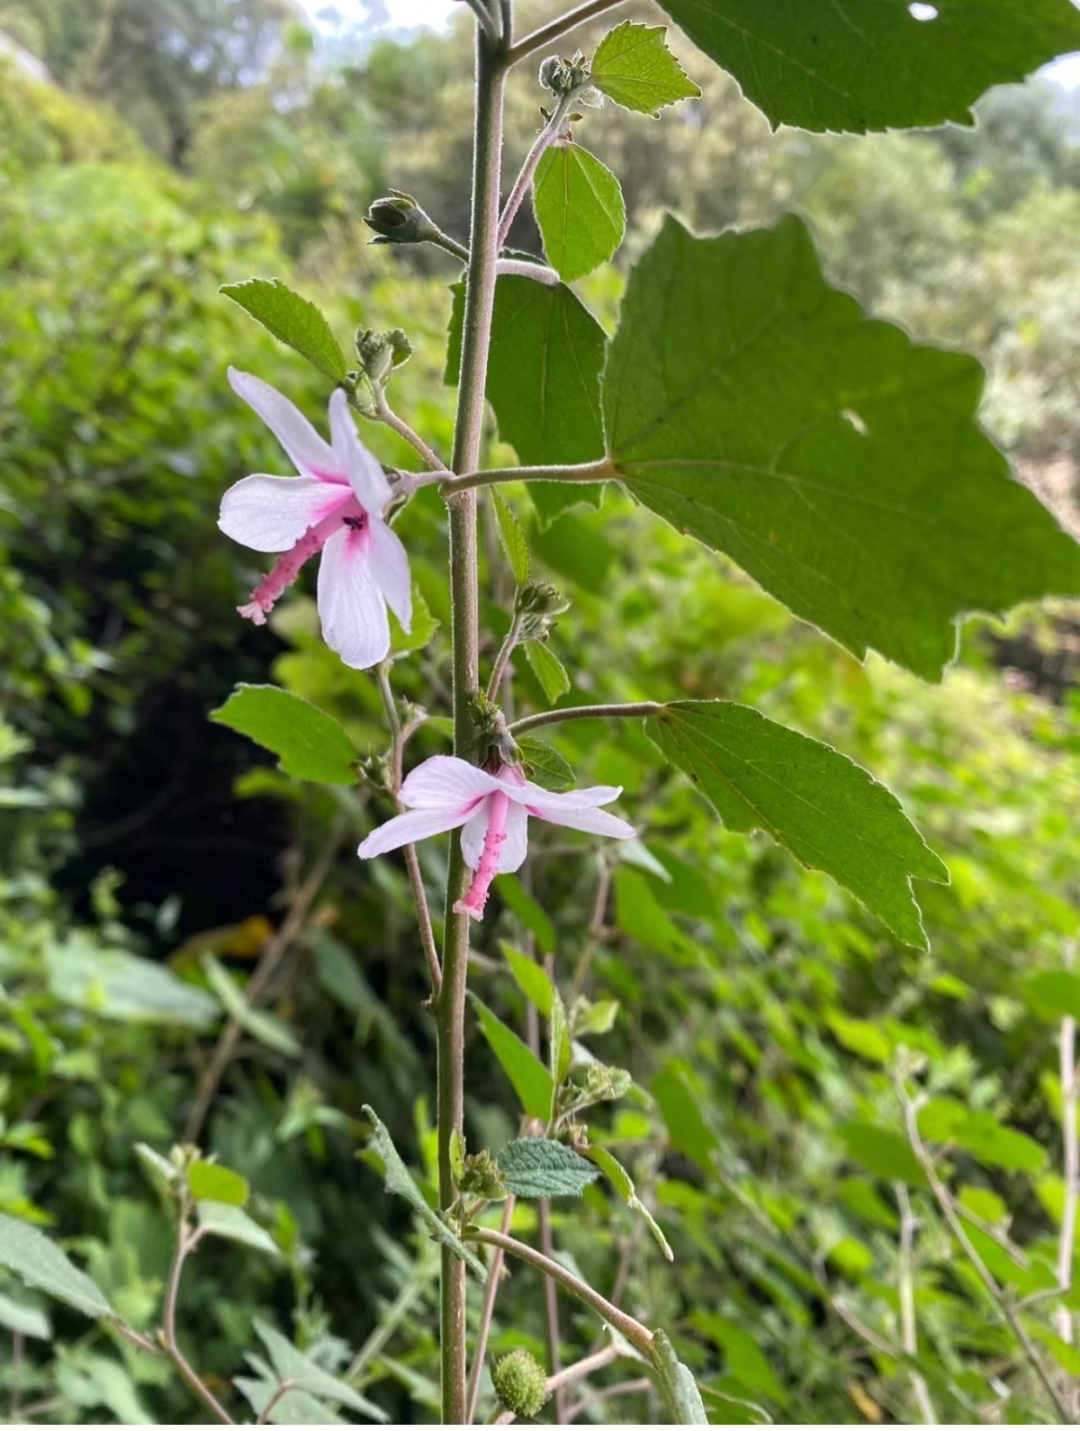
column 493, row 811
column 336, row 505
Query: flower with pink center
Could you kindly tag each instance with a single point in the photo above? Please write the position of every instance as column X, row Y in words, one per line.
column 335, row 506
column 493, row 809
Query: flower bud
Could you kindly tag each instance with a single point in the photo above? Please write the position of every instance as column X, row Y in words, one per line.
column 538, row 603
column 481, row 1177
column 381, row 353
column 398, row 218
column 521, row 1383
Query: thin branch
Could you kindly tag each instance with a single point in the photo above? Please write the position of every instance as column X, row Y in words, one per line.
column 906, row 1277
column 944, row 1200
column 522, row 268
column 634, row 1331
column 484, row 19
column 639, row 708
column 506, row 650
column 543, row 141
column 603, row 470
column 556, row 29
column 276, row 949
column 487, row 1312
column 186, row 1242
column 451, row 245
column 403, row 430
column 412, row 863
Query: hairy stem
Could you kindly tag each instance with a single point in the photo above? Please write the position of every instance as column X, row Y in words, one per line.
column 639, row 708
column 403, row 430
column 506, row 650
column 603, row 470
column 556, row 29
column 547, row 136
column 450, row 1009
column 487, row 1312
column 522, row 268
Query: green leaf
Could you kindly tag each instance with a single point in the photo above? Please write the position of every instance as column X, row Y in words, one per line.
column 820, row 805
column 743, row 1357
column 518, row 899
column 946, row 1120
column 531, row 1080
column 530, row 978
column 221, row 1219
column 26, row 1320
column 113, row 984
column 860, row 1037
column 293, row 1366
column 294, row 1408
column 536, row 1167
column 580, row 209
column 546, row 765
column 293, row 320
column 854, row 65
column 623, row 1184
column 264, row 1027
column 1055, row 992
column 560, row 1053
column 677, row 1384
column 634, row 67
column 882, row 1153
column 548, row 669
column 311, row 744
column 754, row 407
column 687, row 1129
column 404, row 643
column 40, row 1263
column 543, row 381
column 213, row 1183
column 400, row 1182
column 511, row 537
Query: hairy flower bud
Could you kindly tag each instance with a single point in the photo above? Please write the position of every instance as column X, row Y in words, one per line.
column 481, row 1176
column 538, row 603
column 381, row 353
column 521, row 1383
column 398, row 218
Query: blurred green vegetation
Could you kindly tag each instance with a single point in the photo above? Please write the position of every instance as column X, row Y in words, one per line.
column 760, row 1009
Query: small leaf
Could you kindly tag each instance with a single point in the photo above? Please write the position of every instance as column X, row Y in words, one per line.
column 518, row 899
column 212, row 1183
column 293, row 320
column 537, row 1167
column 294, row 1367
column 820, row 805
column 561, row 1053
column 860, row 1037
column 530, row 978
column 677, row 1383
column 531, row 1081
column 156, row 1165
column 221, row 1219
column 745, row 1360
column 311, row 744
column 548, row 669
column 264, row 1027
column 546, row 765
column 686, row 1127
column 579, row 208
column 400, row 1182
column 511, row 537
column 1054, row 991
column 882, row 1153
column 623, row 1184
column 40, row 1263
column 634, row 67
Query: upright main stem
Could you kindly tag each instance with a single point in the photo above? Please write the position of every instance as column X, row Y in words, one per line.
column 476, row 338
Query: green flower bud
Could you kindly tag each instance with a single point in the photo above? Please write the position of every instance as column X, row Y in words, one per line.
column 480, row 1176
column 381, row 353
column 538, row 603
column 521, row 1383
column 398, row 218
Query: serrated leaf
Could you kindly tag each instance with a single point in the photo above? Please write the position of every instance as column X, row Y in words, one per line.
column 399, row 1181
column 623, row 1184
column 213, row 1183
column 854, row 65
column 530, row 978
column 828, row 811
column 546, row 765
column 634, row 67
column 543, row 381
column 531, row 1080
column 579, row 208
column 293, row 320
column 221, row 1219
column 263, row 1027
column 548, row 669
column 511, row 537
column 677, row 1384
column 537, row 1167
column 311, row 744
column 754, row 407
column 38, row 1262
column 293, row 1366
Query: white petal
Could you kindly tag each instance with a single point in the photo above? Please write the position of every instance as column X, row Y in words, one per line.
column 351, row 607
column 352, row 457
column 313, row 456
column 587, row 799
column 446, row 782
column 473, row 835
column 390, row 570
column 516, row 845
column 271, row 514
column 576, row 817
column 407, row 829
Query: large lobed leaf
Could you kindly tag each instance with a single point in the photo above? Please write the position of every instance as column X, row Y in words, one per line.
column 756, row 408
column 855, row 65
column 634, row 67
column 823, row 807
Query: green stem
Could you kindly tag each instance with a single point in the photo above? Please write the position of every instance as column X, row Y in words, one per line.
column 547, row 136
column 556, row 29
column 603, row 470
column 641, row 708
column 450, row 1010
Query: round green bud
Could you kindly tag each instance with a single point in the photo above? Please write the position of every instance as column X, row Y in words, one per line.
column 521, row 1383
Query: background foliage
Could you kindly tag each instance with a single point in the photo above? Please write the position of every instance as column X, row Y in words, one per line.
column 760, row 1011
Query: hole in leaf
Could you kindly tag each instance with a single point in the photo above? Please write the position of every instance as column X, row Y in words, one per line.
column 856, row 421
column 919, row 11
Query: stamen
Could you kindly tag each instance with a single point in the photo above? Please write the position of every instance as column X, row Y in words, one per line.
column 498, row 805
column 287, row 567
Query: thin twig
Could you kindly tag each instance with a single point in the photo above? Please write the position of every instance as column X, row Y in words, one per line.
column 186, row 1242
column 944, row 1200
column 487, row 1312
column 506, row 650
column 638, row 708
column 276, row 949
column 388, row 416
column 602, row 470
column 543, row 141
column 412, row 863
column 906, row 1278
column 556, row 29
